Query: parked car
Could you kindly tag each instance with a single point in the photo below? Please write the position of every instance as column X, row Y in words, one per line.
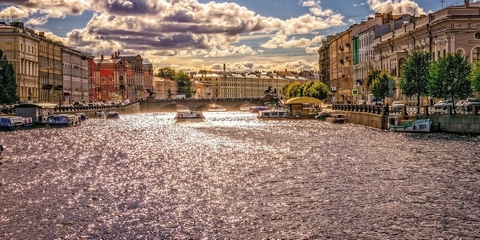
column 442, row 104
column 460, row 105
column 377, row 101
column 397, row 106
column 360, row 102
column 471, row 102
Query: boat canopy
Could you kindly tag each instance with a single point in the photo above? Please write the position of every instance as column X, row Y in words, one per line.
column 299, row 100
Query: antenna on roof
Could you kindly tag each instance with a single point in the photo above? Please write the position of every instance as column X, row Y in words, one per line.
column 442, row 2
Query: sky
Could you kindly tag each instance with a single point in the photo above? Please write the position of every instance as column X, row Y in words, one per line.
column 191, row 35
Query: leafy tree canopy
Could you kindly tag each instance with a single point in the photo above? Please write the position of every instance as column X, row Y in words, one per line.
column 415, row 74
column 449, row 77
column 371, row 76
column 8, row 83
column 166, row 72
column 475, row 77
column 379, row 86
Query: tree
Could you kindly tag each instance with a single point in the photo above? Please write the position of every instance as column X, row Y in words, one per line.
column 475, row 77
column 379, row 86
column 166, row 72
column 184, row 84
column 8, row 83
column 371, row 76
column 415, row 74
column 292, row 90
column 317, row 90
column 304, row 88
column 449, row 77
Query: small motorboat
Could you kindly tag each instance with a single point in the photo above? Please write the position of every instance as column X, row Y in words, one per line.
column 396, row 124
column 113, row 115
column 62, row 120
column 189, row 116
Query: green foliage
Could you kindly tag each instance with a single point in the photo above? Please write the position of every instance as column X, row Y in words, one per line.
column 371, row 76
column 8, row 83
column 475, row 77
column 316, row 89
column 379, row 86
column 449, row 77
column 415, row 75
column 166, row 72
column 293, row 90
column 184, row 84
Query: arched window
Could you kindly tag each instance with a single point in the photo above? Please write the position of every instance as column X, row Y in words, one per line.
column 460, row 51
column 476, row 55
column 444, row 52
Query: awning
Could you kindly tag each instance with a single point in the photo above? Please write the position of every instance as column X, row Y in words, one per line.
column 66, row 93
column 299, row 100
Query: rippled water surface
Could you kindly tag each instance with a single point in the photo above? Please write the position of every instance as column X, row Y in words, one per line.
column 234, row 177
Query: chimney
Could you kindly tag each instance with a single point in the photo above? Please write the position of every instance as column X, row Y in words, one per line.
column 111, row 56
column 224, row 67
column 118, row 52
column 467, row 3
column 102, row 58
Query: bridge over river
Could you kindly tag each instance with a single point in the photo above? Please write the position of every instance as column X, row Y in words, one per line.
column 169, row 105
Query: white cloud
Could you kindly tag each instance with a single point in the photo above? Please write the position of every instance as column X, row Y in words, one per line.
column 397, row 7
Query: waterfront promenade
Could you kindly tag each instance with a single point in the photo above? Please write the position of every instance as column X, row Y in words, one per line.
column 235, row 177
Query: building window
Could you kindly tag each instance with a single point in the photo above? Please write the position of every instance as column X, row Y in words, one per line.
column 476, row 54
column 477, row 35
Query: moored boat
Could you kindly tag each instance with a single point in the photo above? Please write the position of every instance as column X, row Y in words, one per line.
column 62, row 120
column 11, row 122
column 113, row 115
column 396, row 124
column 189, row 116
column 272, row 115
column 82, row 117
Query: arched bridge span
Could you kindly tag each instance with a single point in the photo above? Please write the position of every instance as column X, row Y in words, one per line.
column 172, row 105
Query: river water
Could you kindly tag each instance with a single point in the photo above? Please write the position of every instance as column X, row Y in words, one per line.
column 234, row 177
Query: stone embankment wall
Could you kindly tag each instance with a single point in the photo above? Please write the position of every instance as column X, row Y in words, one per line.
column 465, row 123
column 368, row 119
column 461, row 123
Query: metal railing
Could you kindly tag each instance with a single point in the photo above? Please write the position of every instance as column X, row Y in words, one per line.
column 406, row 110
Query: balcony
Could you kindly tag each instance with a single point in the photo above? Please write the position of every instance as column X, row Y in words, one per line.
column 47, row 86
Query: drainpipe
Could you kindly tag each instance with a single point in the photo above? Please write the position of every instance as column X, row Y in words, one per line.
column 389, row 43
column 411, row 35
column 430, row 38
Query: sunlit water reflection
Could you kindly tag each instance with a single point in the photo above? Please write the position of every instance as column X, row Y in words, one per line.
column 234, row 177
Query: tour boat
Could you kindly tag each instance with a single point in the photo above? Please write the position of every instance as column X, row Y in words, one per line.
column 272, row 115
column 11, row 122
column 396, row 124
column 62, row 120
column 189, row 116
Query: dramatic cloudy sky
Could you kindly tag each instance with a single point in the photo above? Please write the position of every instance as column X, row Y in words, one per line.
column 201, row 34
